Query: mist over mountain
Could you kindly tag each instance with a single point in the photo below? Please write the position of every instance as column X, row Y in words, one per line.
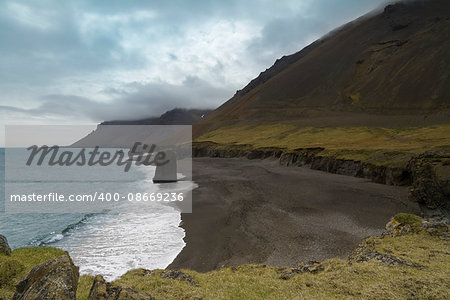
column 116, row 134
column 390, row 68
column 177, row 116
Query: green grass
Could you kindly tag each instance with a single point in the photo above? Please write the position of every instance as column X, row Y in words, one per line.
column 408, row 219
column 84, row 286
column 339, row 280
column 380, row 146
column 13, row 268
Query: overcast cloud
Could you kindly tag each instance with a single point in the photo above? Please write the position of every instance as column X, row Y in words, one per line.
column 87, row 61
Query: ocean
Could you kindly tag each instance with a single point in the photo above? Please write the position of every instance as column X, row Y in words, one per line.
column 103, row 243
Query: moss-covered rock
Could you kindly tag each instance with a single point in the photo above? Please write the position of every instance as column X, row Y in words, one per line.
column 431, row 183
column 4, row 247
column 312, row 267
column 178, row 275
column 56, row 278
column 402, row 224
column 102, row 290
column 15, row 266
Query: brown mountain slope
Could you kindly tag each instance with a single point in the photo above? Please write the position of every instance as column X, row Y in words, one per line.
column 385, row 69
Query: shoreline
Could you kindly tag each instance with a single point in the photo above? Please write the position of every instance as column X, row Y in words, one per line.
column 257, row 211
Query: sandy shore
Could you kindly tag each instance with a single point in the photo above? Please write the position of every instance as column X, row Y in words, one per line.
column 253, row 211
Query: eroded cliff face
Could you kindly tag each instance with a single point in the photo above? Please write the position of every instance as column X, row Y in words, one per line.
column 312, row 158
column 428, row 173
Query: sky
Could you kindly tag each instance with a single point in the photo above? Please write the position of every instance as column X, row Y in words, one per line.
column 85, row 61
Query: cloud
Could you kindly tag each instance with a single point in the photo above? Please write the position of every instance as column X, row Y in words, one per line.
column 289, row 34
column 145, row 100
column 85, row 60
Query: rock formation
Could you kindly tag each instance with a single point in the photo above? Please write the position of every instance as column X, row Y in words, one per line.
column 102, row 290
column 56, row 278
column 178, row 275
column 4, row 247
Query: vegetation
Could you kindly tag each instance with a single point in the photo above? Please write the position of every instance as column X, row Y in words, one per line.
column 13, row 268
column 379, row 146
column 426, row 278
column 340, row 279
column 408, row 219
column 84, row 286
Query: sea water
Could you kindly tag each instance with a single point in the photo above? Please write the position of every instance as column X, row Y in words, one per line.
column 107, row 244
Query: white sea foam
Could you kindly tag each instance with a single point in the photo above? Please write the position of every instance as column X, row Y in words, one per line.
column 110, row 245
column 54, row 237
column 107, row 244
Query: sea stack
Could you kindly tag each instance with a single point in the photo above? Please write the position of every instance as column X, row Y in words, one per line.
column 166, row 172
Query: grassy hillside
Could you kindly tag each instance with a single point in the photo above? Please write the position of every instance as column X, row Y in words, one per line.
column 383, row 146
column 411, row 266
column 410, row 262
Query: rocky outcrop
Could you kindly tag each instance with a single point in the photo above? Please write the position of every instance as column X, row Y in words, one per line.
column 399, row 225
column 56, row 278
column 309, row 267
column 436, row 228
column 178, row 275
column 380, row 174
column 429, row 189
column 386, row 259
column 402, row 224
column 4, row 247
column 102, row 290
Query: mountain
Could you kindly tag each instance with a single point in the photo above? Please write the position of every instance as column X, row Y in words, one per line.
column 388, row 68
column 114, row 134
column 177, row 116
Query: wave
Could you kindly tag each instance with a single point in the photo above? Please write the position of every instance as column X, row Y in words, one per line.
column 54, row 237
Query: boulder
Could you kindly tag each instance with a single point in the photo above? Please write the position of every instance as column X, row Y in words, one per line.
column 436, row 228
column 102, row 290
column 313, row 267
column 56, row 278
column 4, row 247
column 402, row 224
column 178, row 275
column 366, row 252
column 387, row 259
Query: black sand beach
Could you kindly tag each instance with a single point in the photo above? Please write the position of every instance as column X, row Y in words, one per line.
column 253, row 211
